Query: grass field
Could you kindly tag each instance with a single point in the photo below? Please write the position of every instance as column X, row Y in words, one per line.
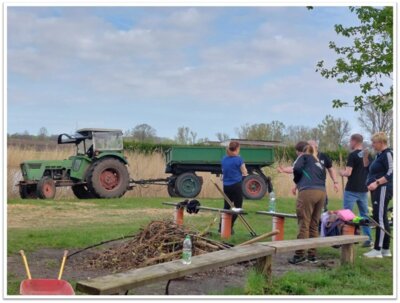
column 69, row 224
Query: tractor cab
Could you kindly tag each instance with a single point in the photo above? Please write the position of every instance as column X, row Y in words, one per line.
column 93, row 141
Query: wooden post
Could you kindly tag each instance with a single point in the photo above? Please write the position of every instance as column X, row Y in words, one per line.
column 348, row 255
column 279, row 224
column 226, row 225
column 264, row 266
column 179, row 215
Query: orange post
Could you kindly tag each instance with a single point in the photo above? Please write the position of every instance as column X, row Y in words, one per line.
column 348, row 229
column 179, row 215
column 226, row 225
column 278, row 223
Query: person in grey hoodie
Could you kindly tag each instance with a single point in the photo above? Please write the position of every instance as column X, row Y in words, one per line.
column 309, row 176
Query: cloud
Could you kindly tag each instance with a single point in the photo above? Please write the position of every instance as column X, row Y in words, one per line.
column 167, row 56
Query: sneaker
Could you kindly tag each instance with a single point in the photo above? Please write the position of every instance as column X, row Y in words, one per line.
column 297, row 260
column 386, row 253
column 373, row 254
column 312, row 259
column 368, row 244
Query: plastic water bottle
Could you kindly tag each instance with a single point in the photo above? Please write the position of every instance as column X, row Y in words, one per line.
column 272, row 202
column 187, row 251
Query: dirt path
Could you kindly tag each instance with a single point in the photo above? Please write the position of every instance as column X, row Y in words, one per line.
column 45, row 264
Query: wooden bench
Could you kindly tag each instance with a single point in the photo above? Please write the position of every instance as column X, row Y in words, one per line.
column 226, row 216
column 278, row 222
column 122, row 282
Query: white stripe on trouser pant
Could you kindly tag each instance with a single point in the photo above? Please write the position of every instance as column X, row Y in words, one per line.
column 381, row 208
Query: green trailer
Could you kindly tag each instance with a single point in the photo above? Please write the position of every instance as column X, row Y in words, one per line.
column 184, row 161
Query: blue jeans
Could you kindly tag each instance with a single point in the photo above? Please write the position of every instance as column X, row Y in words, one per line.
column 350, row 198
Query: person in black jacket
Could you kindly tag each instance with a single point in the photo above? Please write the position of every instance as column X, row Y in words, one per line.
column 309, row 176
column 380, row 183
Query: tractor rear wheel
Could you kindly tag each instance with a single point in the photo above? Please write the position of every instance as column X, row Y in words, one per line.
column 188, row 185
column 28, row 191
column 46, row 188
column 82, row 192
column 108, row 178
column 254, row 187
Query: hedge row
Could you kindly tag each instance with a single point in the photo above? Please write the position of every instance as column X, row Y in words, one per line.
column 281, row 153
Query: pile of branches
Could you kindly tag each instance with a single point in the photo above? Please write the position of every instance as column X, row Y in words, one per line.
column 159, row 241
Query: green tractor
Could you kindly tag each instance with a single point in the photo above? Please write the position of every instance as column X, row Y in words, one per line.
column 98, row 170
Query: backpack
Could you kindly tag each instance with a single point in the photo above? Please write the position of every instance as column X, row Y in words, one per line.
column 334, row 229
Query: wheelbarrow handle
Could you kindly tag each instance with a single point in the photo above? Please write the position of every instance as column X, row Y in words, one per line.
column 63, row 264
column 28, row 272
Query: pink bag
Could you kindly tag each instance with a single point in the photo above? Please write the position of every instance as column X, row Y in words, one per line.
column 345, row 214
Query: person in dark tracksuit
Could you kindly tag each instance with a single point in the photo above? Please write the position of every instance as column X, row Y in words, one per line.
column 380, row 183
column 233, row 171
column 309, row 176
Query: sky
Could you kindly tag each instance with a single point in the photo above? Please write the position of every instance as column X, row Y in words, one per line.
column 212, row 69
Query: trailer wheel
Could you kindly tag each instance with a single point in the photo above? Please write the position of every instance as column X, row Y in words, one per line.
column 171, row 190
column 254, row 187
column 82, row 192
column 108, row 178
column 46, row 188
column 28, row 191
column 188, row 185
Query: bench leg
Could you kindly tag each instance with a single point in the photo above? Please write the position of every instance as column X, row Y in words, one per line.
column 278, row 223
column 226, row 225
column 264, row 266
column 348, row 255
column 179, row 215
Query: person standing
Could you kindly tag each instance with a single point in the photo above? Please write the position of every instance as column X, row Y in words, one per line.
column 327, row 163
column 309, row 176
column 356, row 190
column 380, row 183
column 233, row 171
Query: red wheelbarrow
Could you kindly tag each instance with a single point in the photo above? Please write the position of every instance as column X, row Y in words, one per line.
column 45, row 287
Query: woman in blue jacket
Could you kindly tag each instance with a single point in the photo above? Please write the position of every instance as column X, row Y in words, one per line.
column 233, row 171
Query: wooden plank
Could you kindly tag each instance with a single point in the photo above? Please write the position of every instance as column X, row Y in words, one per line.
column 274, row 214
column 347, row 254
column 170, row 203
column 121, row 282
column 290, row 245
column 221, row 210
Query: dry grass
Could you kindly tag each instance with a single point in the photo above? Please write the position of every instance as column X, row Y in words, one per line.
column 141, row 166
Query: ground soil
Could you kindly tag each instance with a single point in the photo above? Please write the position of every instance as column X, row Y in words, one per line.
column 44, row 263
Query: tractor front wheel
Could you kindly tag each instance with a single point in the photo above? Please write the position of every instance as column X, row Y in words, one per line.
column 27, row 191
column 46, row 188
column 254, row 187
column 108, row 178
column 82, row 192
